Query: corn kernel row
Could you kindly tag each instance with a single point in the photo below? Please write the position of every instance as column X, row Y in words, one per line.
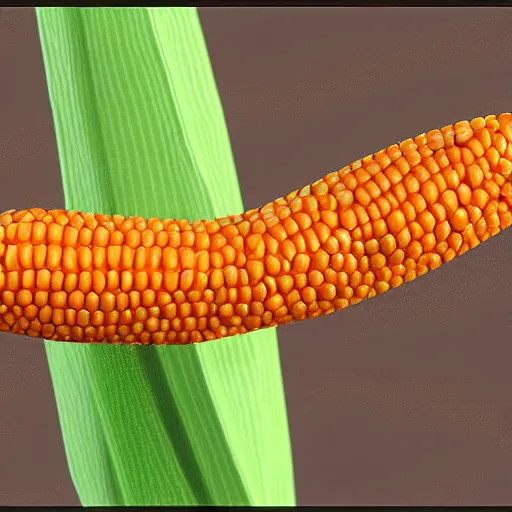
column 375, row 224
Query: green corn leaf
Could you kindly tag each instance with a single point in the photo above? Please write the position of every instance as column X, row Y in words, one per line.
column 140, row 131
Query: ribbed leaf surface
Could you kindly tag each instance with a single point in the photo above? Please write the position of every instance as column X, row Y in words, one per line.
column 140, row 131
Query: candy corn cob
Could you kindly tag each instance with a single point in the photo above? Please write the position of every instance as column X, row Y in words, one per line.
column 375, row 224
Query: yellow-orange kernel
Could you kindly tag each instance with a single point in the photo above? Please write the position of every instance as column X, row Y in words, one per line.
column 348, row 219
column 396, row 221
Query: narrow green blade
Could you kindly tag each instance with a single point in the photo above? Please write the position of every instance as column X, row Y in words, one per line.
column 140, row 131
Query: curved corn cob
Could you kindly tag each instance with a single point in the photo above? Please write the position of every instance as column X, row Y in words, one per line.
column 356, row 233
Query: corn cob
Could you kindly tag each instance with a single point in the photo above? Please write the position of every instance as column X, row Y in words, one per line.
column 375, row 224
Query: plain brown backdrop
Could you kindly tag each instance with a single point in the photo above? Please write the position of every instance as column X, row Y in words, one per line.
column 404, row 399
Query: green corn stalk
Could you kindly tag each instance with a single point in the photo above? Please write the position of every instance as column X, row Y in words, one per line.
column 140, row 131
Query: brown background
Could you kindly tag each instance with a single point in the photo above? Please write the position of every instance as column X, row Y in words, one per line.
column 405, row 399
